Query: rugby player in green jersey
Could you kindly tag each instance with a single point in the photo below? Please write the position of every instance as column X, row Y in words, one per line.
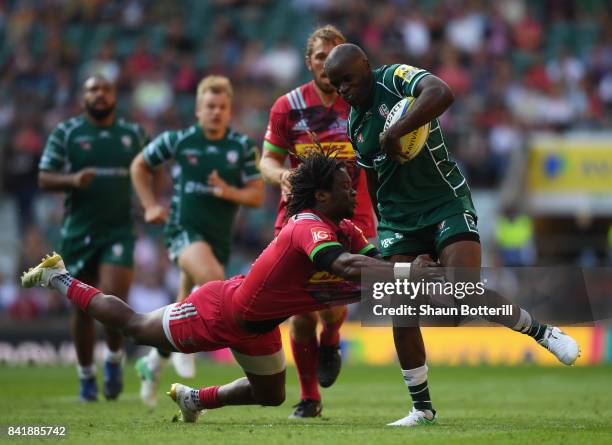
column 88, row 157
column 424, row 206
column 215, row 171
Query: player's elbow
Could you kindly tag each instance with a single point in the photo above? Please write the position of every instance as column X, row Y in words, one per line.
column 446, row 97
column 258, row 194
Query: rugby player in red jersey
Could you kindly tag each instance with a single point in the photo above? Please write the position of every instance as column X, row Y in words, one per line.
column 316, row 110
column 243, row 313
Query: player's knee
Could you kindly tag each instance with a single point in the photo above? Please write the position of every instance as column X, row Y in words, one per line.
column 334, row 314
column 303, row 326
column 136, row 328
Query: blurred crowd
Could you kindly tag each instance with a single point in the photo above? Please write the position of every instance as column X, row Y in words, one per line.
column 515, row 66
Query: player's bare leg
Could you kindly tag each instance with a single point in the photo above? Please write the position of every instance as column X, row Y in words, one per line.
column 467, row 254
column 112, row 312
column 305, row 348
column 84, row 338
column 198, row 265
column 264, row 387
column 411, row 354
column 114, row 280
column 330, row 359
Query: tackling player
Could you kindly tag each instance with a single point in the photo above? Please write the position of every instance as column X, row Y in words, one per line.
column 243, row 313
column 88, row 157
column 215, row 171
column 314, row 110
column 425, row 205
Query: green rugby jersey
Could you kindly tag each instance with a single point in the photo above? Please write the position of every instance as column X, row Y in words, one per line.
column 106, row 204
column 235, row 157
column 409, row 190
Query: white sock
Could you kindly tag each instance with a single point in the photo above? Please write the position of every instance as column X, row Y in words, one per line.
column 415, row 376
column 524, row 322
column 86, row 372
column 156, row 361
column 61, row 283
column 113, row 356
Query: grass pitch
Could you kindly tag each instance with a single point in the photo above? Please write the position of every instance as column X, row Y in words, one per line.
column 480, row 405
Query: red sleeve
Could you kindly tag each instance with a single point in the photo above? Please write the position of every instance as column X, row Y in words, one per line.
column 310, row 237
column 276, row 138
column 359, row 243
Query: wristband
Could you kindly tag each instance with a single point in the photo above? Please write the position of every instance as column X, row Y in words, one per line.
column 402, row 270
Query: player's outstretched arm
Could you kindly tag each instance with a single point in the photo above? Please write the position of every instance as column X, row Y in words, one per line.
column 143, row 181
column 350, row 266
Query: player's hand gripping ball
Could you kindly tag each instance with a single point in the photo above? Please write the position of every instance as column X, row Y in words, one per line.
column 413, row 142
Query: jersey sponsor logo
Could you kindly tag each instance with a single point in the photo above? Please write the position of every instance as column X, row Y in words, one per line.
column 343, row 150
column 383, row 110
column 112, row 172
column 406, row 72
column 319, row 235
column 386, row 242
column 198, row 187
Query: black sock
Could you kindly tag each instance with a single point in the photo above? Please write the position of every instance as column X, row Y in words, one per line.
column 164, row 354
column 420, row 396
column 536, row 330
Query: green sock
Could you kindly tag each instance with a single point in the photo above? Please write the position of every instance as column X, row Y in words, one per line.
column 536, row 330
column 420, row 396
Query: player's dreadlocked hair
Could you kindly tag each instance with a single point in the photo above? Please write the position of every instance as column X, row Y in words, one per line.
column 316, row 172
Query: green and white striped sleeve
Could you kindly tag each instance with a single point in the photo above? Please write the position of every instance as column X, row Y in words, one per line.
column 403, row 79
column 250, row 167
column 161, row 149
column 55, row 153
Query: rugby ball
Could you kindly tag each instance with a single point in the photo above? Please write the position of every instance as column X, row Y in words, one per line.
column 412, row 143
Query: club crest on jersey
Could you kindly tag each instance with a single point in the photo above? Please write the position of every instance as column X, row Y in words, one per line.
column 383, row 110
column 117, row 249
column 193, row 159
column 85, row 145
column 126, row 141
column 360, row 138
column 232, row 156
column 319, row 235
